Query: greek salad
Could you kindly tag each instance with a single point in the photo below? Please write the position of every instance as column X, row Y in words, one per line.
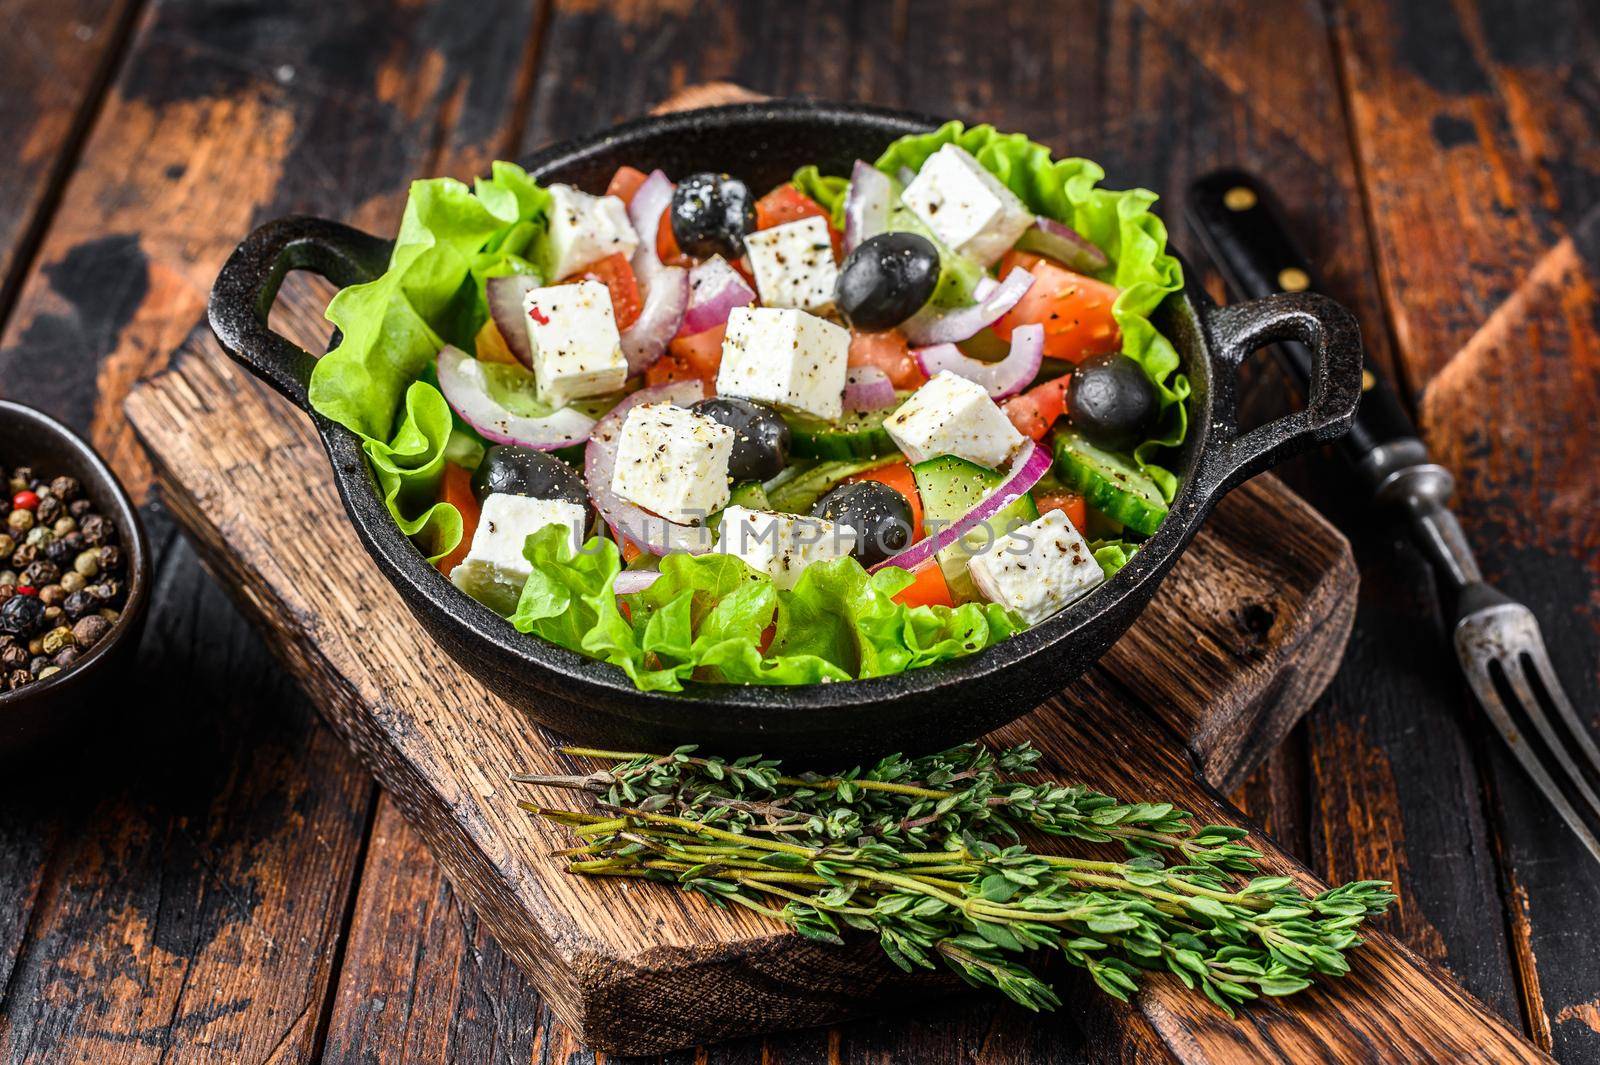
column 840, row 428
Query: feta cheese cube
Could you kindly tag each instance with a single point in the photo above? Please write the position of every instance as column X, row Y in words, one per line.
column 787, row 357
column 951, row 415
column 967, row 207
column 793, row 264
column 577, row 350
column 494, row 570
column 585, row 228
column 673, row 462
column 1037, row 570
column 781, row 545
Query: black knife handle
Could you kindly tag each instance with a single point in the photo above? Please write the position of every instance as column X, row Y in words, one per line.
column 1242, row 227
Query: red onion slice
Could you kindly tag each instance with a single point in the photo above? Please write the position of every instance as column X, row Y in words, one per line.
column 650, row 200
column 1065, row 245
column 1000, row 379
column 629, row 521
column 634, row 580
column 867, row 388
column 715, row 289
column 466, row 389
column 665, row 301
column 933, row 325
column 866, row 206
column 505, row 296
column 1031, row 464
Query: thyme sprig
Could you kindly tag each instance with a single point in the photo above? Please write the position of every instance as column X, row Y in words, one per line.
column 928, row 854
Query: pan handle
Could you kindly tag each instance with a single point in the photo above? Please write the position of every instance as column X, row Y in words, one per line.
column 1235, row 331
column 244, row 291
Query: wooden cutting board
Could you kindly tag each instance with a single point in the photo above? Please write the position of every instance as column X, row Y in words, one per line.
column 1239, row 640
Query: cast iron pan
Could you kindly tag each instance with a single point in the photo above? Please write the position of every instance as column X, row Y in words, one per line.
column 918, row 711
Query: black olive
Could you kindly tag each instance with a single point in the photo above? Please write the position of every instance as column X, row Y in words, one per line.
column 1112, row 401
column 886, row 280
column 711, row 213
column 521, row 471
column 760, row 436
column 880, row 516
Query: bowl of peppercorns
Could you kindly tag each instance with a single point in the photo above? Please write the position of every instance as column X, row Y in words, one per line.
column 74, row 580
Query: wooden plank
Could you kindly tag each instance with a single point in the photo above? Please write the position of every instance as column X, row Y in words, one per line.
column 212, row 123
column 1484, row 191
column 54, row 62
column 612, row 958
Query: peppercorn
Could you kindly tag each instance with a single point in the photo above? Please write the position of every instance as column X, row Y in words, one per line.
column 96, row 529
column 73, row 581
column 21, row 478
column 90, row 629
column 13, row 655
column 53, row 616
column 56, row 639
column 20, row 615
column 66, row 656
column 27, row 499
column 106, row 591
column 39, row 537
column 41, row 573
column 17, row 678
column 20, row 520
column 8, row 544
column 49, row 671
column 87, row 563
column 110, row 558
column 66, row 488
column 77, row 603
column 49, row 509
column 64, row 525
column 52, row 595
column 60, row 552
column 24, row 555
column 36, row 646
column 109, row 614
column 37, row 663
column 79, row 507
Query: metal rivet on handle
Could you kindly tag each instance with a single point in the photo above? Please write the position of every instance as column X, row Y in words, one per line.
column 1239, row 198
column 1293, row 279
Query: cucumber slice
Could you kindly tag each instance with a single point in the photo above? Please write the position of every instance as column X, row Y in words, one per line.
column 795, row 495
column 1111, row 483
column 949, row 488
column 857, row 435
column 748, row 494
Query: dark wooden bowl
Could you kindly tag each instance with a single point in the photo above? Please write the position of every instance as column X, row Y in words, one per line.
column 77, row 701
column 835, row 723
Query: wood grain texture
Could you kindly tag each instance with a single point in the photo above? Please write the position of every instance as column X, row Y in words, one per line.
column 1489, row 255
column 620, row 963
column 54, row 61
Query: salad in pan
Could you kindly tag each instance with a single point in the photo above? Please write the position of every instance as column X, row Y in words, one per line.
column 837, row 429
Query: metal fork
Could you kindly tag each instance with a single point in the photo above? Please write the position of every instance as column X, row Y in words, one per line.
column 1501, row 648
column 1497, row 639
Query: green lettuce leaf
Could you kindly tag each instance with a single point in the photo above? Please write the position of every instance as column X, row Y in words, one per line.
column 827, row 190
column 451, row 240
column 706, row 617
column 1119, row 222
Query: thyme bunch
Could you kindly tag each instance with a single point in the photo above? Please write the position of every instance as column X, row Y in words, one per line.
column 929, row 855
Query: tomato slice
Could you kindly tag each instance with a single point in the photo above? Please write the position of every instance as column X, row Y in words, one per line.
column 1075, row 310
column 667, row 249
column 1074, row 506
column 1036, row 410
column 788, row 204
column 890, row 352
column 616, row 274
column 691, row 357
column 927, row 587
column 455, row 488
column 625, row 182
column 897, row 475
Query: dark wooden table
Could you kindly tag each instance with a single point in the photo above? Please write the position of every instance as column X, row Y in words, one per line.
column 226, row 883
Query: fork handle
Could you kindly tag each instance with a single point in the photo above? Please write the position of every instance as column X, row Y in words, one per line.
column 1241, row 225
